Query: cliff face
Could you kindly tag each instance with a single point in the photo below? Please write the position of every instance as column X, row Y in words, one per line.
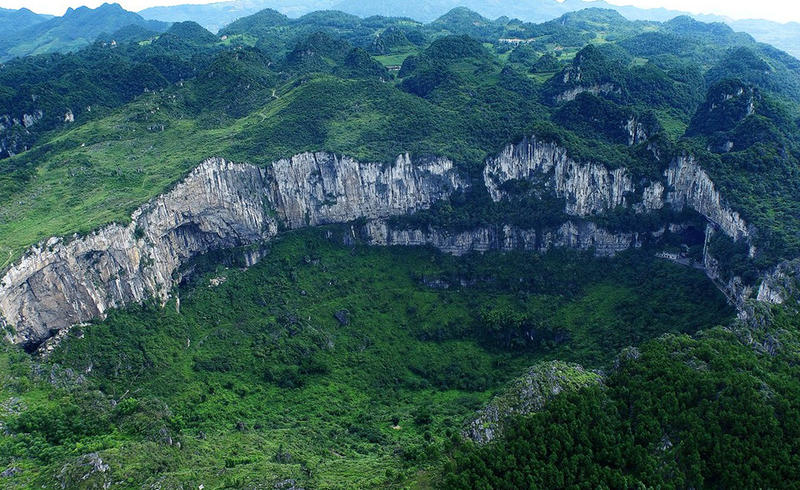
column 692, row 187
column 596, row 89
column 586, row 188
column 220, row 204
column 576, row 234
column 592, row 189
column 66, row 281
column 320, row 188
column 782, row 284
column 62, row 282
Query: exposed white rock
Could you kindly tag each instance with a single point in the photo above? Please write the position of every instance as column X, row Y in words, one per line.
column 584, row 235
column 29, row 120
column 378, row 232
column 570, row 94
column 580, row 235
column 319, row 188
column 219, row 205
column 586, row 188
column 782, row 284
column 636, row 131
column 652, row 197
column 691, row 186
column 592, row 188
column 62, row 282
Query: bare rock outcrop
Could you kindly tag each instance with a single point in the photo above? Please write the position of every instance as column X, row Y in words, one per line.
column 782, row 284
column 589, row 188
column 577, row 234
column 586, row 188
column 691, row 186
column 66, row 281
column 526, row 395
column 320, row 188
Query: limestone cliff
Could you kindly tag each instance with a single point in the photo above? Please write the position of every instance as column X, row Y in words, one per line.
column 596, row 89
column 578, row 234
column 589, row 188
column 65, row 281
column 692, row 187
column 62, row 282
column 320, row 188
column 586, row 188
column 782, row 284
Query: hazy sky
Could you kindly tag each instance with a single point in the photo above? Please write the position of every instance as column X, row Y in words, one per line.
column 777, row 10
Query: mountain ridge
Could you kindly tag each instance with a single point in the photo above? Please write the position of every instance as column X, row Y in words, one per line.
column 782, row 35
column 75, row 29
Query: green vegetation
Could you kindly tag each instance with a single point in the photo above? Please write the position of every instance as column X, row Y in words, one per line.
column 356, row 367
column 333, row 366
column 76, row 29
column 706, row 413
column 277, row 86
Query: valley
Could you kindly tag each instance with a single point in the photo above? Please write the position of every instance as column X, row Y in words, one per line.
column 331, row 251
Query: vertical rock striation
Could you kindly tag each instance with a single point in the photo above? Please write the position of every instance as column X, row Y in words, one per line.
column 62, row 282
column 219, row 205
column 320, row 188
column 691, row 186
column 591, row 188
column 586, row 188
column 65, row 281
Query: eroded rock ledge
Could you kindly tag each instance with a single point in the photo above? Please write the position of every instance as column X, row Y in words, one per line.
column 577, row 234
column 66, row 281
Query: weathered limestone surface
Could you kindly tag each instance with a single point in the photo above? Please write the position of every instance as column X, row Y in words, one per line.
column 62, row 282
column 580, row 235
column 65, row 281
column 320, row 188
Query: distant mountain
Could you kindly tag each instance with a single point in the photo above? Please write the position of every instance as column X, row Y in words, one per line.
column 783, row 36
column 14, row 21
column 215, row 16
column 75, row 29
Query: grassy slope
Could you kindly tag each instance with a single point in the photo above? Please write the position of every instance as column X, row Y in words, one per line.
column 264, row 349
column 101, row 171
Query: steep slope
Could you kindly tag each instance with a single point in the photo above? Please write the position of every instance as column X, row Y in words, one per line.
column 222, row 205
